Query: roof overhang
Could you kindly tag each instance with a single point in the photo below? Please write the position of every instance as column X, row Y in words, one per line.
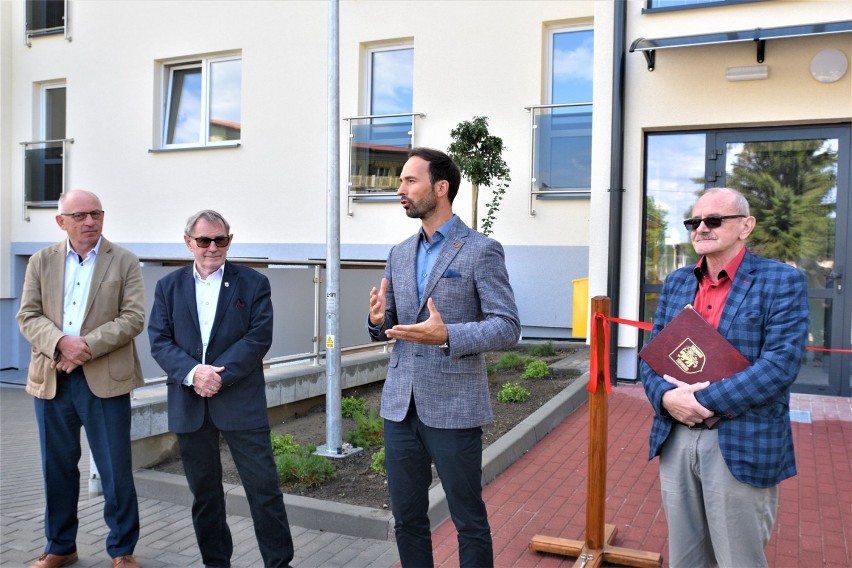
column 648, row 47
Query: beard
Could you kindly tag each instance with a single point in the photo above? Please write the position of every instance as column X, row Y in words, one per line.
column 422, row 208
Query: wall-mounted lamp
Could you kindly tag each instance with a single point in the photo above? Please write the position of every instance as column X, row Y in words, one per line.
column 747, row 73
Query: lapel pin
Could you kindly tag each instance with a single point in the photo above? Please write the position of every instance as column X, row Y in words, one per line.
column 227, row 284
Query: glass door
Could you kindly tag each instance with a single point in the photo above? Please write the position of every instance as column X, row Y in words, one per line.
column 797, row 184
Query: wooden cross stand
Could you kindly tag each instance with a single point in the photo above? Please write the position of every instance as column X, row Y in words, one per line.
column 597, row 548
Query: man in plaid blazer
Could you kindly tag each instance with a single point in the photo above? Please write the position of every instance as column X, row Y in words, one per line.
column 446, row 299
column 720, row 485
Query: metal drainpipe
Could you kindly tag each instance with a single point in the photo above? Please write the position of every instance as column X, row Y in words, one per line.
column 616, row 178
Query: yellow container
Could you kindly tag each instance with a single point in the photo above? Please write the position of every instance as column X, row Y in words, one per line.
column 581, row 307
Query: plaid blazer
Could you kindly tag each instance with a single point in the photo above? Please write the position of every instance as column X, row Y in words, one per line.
column 470, row 287
column 766, row 317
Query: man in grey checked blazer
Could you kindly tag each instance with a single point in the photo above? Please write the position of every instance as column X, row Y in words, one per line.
column 446, row 299
column 720, row 485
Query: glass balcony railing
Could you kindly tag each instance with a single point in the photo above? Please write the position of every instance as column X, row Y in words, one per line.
column 560, row 151
column 44, row 173
column 378, row 148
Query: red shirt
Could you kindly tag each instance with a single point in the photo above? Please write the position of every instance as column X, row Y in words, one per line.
column 710, row 298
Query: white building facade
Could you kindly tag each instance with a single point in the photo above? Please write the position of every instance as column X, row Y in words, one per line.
column 164, row 108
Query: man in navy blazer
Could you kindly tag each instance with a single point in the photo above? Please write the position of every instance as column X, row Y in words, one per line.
column 210, row 326
column 446, row 299
column 720, row 485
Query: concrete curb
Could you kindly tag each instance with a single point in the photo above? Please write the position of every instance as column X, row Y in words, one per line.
column 377, row 524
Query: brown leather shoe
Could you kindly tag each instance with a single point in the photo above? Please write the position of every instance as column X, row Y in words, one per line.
column 47, row 560
column 124, row 562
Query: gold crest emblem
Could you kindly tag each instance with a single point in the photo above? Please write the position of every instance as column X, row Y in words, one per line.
column 688, row 357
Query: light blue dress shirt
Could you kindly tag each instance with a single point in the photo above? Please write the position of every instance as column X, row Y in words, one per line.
column 427, row 254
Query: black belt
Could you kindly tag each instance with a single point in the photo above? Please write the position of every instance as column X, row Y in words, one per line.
column 698, row 426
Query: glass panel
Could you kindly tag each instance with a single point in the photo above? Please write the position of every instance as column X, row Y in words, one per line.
column 54, row 113
column 184, row 120
column 675, row 178
column 225, row 104
column 43, row 165
column 791, row 186
column 391, row 81
column 43, row 15
column 563, row 138
column 378, row 152
column 572, row 67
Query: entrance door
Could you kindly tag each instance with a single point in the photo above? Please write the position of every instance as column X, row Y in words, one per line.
column 797, row 185
column 797, row 181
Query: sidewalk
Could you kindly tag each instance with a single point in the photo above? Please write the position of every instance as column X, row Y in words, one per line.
column 545, row 491
column 167, row 538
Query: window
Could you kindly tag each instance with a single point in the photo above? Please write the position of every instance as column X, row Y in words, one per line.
column 203, row 102
column 562, row 128
column 44, row 17
column 379, row 142
column 44, row 160
column 655, row 5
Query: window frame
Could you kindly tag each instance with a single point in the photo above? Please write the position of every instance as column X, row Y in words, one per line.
column 203, row 63
column 649, row 8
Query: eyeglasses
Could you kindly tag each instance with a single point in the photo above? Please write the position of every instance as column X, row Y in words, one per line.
column 96, row 215
column 711, row 221
column 204, row 242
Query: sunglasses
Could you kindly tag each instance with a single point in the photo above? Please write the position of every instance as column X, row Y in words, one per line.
column 711, row 221
column 204, row 242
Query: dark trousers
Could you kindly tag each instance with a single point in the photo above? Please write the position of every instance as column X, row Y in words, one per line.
column 107, row 424
column 410, row 449
column 252, row 453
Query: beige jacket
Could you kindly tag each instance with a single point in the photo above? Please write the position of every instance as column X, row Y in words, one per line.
column 115, row 314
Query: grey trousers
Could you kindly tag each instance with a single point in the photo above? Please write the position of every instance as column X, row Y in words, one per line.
column 713, row 519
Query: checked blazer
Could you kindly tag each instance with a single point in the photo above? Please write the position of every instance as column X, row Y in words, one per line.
column 240, row 337
column 766, row 317
column 470, row 287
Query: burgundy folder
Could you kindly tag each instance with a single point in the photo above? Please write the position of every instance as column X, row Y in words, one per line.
column 691, row 350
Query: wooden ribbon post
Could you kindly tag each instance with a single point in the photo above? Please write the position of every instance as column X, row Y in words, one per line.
column 597, row 548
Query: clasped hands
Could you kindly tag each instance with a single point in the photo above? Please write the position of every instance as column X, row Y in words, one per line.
column 206, row 380
column 432, row 331
column 681, row 403
column 73, row 352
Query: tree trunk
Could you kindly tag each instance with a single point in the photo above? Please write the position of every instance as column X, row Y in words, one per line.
column 475, row 201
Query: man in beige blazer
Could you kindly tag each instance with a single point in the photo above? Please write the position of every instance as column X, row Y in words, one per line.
column 82, row 304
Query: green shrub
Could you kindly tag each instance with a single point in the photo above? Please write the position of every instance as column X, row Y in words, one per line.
column 378, row 463
column 305, row 467
column 509, row 361
column 283, row 444
column 536, row 370
column 543, row 350
column 513, row 392
column 350, row 405
column 369, row 430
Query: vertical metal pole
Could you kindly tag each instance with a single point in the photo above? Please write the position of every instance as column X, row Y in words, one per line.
column 333, row 412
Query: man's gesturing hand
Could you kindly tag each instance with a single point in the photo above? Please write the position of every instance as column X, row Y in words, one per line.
column 433, row 331
column 378, row 303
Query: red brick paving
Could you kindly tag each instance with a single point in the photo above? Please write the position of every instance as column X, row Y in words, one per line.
column 545, row 491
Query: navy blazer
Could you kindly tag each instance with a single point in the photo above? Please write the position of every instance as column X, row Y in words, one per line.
column 470, row 287
column 766, row 317
column 240, row 337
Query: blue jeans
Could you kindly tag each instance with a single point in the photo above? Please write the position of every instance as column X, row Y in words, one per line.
column 410, row 449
